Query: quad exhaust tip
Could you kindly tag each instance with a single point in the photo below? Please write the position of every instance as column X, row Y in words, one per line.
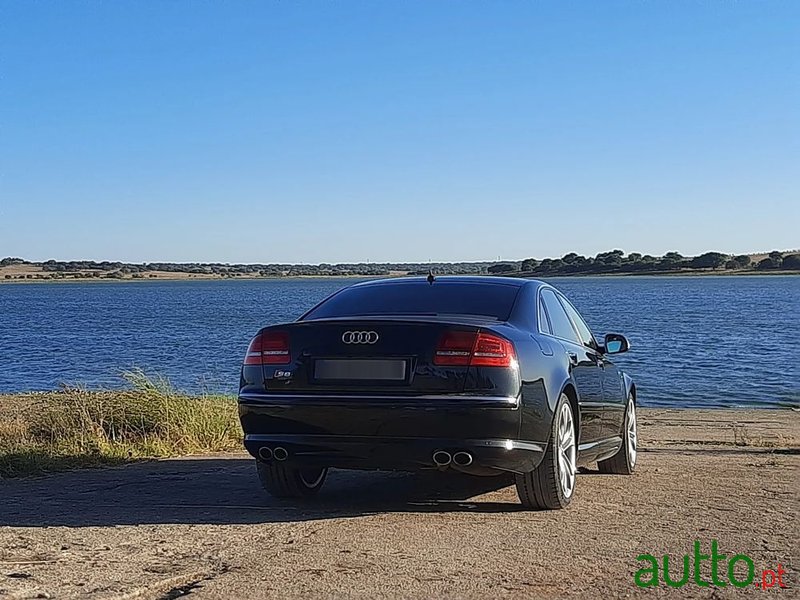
column 265, row 453
column 280, row 453
column 462, row 459
column 442, row 458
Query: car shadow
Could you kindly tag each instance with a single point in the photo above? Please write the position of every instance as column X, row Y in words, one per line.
column 224, row 490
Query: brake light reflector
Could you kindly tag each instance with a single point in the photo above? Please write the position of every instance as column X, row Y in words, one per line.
column 454, row 348
column 275, row 348
column 269, row 348
column 253, row 355
column 470, row 348
column 492, row 351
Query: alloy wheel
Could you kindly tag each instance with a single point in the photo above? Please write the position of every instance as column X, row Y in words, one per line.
column 565, row 445
column 631, row 431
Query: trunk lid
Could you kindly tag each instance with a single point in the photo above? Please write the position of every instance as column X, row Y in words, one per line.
column 369, row 356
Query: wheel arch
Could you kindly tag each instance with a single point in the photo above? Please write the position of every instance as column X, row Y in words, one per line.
column 572, row 394
column 630, row 388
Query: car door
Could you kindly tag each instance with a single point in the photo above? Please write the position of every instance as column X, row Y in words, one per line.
column 613, row 387
column 615, row 399
column 585, row 366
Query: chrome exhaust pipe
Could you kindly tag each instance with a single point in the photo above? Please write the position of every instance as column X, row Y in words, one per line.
column 280, row 453
column 264, row 453
column 462, row 459
column 442, row 458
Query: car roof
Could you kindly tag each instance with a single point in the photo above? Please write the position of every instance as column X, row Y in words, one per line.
column 447, row 279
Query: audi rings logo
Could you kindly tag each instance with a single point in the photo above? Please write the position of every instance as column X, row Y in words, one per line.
column 360, row 337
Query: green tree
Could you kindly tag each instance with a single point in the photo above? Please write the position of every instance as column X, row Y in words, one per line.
column 672, row 260
column 709, row 260
column 10, row 260
column 773, row 261
column 569, row 258
column 502, row 268
column 545, row 266
column 791, row 261
column 613, row 258
column 529, row 264
column 764, row 264
column 743, row 260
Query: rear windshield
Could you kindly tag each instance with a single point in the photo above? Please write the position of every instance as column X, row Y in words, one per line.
column 440, row 298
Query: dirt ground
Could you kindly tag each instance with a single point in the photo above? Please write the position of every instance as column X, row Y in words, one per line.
column 202, row 526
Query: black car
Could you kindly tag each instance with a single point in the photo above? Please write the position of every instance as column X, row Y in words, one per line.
column 483, row 375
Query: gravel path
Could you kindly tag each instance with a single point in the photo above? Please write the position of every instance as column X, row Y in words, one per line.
column 202, row 527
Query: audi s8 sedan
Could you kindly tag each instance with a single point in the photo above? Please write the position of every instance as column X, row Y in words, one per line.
column 483, row 375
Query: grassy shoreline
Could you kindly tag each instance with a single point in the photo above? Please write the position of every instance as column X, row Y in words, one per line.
column 46, row 432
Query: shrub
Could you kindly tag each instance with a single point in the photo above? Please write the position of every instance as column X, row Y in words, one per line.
column 791, row 261
column 502, row 268
column 742, row 260
column 765, row 263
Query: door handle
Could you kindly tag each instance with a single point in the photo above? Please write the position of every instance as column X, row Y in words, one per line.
column 573, row 358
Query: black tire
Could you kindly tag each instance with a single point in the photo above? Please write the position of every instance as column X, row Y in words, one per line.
column 542, row 488
column 282, row 481
column 624, row 461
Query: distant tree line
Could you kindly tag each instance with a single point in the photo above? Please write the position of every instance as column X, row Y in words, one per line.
column 110, row 269
column 614, row 261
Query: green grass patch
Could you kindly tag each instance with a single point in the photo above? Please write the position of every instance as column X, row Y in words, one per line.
column 71, row 428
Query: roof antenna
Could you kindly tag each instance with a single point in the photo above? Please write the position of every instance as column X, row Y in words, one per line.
column 430, row 277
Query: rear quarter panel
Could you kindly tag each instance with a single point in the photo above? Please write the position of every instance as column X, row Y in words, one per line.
column 542, row 378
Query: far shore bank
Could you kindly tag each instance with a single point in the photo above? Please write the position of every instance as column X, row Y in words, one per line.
column 604, row 264
column 102, row 280
column 190, row 277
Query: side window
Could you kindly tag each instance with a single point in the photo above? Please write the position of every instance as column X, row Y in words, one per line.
column 583, row 329
column 544, row 323
column 559, row 321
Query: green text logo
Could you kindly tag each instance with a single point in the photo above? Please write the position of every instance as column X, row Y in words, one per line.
column 739, row 571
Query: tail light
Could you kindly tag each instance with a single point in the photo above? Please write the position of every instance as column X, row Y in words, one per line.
column 455, row 348
column 469, row 348
column 253, row 356
column 269, row 348
column 492, row 351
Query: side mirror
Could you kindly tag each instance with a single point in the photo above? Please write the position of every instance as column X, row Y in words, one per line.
column 616, row 343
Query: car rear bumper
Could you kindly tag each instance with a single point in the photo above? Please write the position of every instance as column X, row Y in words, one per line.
column 386, row 432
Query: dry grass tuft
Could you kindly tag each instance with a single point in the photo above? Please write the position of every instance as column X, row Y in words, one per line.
column 70, row 428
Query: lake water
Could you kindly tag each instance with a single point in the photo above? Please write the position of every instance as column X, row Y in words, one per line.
column 696, row 341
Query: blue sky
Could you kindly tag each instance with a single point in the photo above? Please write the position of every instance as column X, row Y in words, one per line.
column 387, row 131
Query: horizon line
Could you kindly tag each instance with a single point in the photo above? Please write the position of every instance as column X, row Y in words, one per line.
column 385, row 262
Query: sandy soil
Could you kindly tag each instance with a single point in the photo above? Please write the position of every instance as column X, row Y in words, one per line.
column 202, row 526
